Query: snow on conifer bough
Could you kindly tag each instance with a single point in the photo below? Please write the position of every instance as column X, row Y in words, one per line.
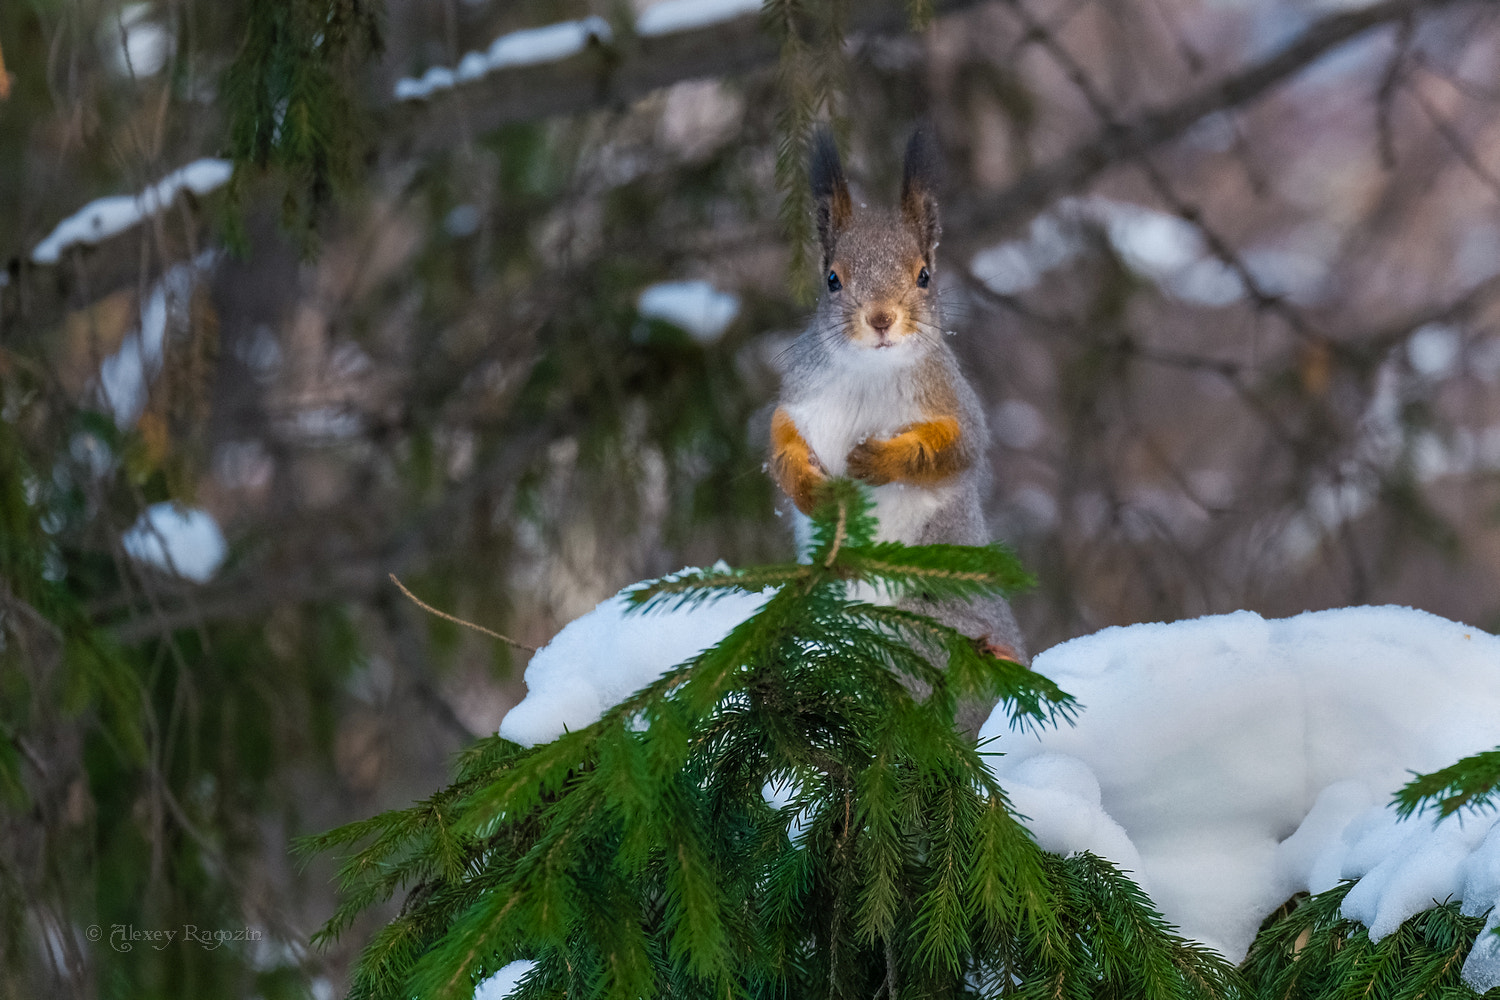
column 1232, row 762
column 734, row 794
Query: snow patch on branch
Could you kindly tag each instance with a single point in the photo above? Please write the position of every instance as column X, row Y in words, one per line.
column 504, row 982
column 695, row 306
column 183, row 541
column 106, row 217
column 555, row 42
column 137, row 45
column 671, row 16
column 125, row 377
column 1230, row 761
column 1162, row 247
column 603, row 657
column 529, row 46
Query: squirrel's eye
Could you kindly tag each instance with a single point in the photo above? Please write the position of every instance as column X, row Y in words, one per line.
column 834, row 284
column 923, row 278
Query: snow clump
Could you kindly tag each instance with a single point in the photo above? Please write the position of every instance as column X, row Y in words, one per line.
column 184, row 541
column 504, row 982
column 695, row 306
column 603, row 657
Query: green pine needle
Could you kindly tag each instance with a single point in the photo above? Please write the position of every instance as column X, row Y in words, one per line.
column 638, row 856
column 1472, row 783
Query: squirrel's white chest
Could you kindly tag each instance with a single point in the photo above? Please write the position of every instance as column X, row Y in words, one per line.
column 837, row 421
column 834, row 422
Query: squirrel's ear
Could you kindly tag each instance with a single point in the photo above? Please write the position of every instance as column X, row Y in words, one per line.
column 830, row 192
column 919, row 183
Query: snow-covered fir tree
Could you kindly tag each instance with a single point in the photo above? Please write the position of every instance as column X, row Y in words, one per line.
column 719, row 785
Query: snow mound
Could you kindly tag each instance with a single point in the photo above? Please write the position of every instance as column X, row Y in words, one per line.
column 603, row 657
column 1229, row 762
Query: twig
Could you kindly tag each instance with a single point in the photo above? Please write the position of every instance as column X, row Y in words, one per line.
column 455, row 619
column 1391, row 79
column 1461, row 149
column 1079, row 76
column 838, row 535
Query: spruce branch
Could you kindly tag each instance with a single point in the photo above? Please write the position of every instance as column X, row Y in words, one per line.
column 842, row 517
column 1472, row 783
column 693, row 587
column 1032, row 698
column 1313, row 951
column 641, row 856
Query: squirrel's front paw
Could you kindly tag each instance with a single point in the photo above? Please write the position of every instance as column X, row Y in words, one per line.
column 922, row 454
column 793, row 465
column 800, row 484
column 869, row 462
column 1001, row 650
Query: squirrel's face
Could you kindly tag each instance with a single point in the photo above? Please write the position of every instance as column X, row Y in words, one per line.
column 877, row 265
column 878, row 284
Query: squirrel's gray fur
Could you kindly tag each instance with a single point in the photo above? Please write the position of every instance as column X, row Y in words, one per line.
column 851, row 384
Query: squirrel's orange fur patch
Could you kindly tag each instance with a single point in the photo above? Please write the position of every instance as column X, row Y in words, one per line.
column 793, row 465
column 923, row 454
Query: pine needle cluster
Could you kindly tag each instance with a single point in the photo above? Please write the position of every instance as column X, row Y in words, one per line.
column 777, row 817
column 1472, row 783
column 811, row 74
column 1313, row 953
column 294, row 101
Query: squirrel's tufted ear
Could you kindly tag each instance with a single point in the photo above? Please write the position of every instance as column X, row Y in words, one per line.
column 830, row 192
column 919, row 183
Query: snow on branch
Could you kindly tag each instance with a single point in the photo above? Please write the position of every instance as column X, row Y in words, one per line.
column 1226, row 762
column 682, row 15
column 565, row 39
column 1229, row 762
column 549, row 43
column 105, row 217
column 685, row 40
column 682, row 43
column 701, row 46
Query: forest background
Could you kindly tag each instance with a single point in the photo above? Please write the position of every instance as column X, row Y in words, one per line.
column 1224, row 273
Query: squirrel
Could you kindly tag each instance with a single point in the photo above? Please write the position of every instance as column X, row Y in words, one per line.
column 871, row 391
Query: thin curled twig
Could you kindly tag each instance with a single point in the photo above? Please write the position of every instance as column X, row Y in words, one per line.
column 455, row 619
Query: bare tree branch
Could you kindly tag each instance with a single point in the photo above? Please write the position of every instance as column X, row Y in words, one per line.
column 1126, row 140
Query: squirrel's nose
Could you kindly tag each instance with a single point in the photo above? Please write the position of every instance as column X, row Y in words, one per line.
column 881, row 320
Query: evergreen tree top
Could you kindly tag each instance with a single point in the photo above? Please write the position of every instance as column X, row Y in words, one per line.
column 778, row 816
